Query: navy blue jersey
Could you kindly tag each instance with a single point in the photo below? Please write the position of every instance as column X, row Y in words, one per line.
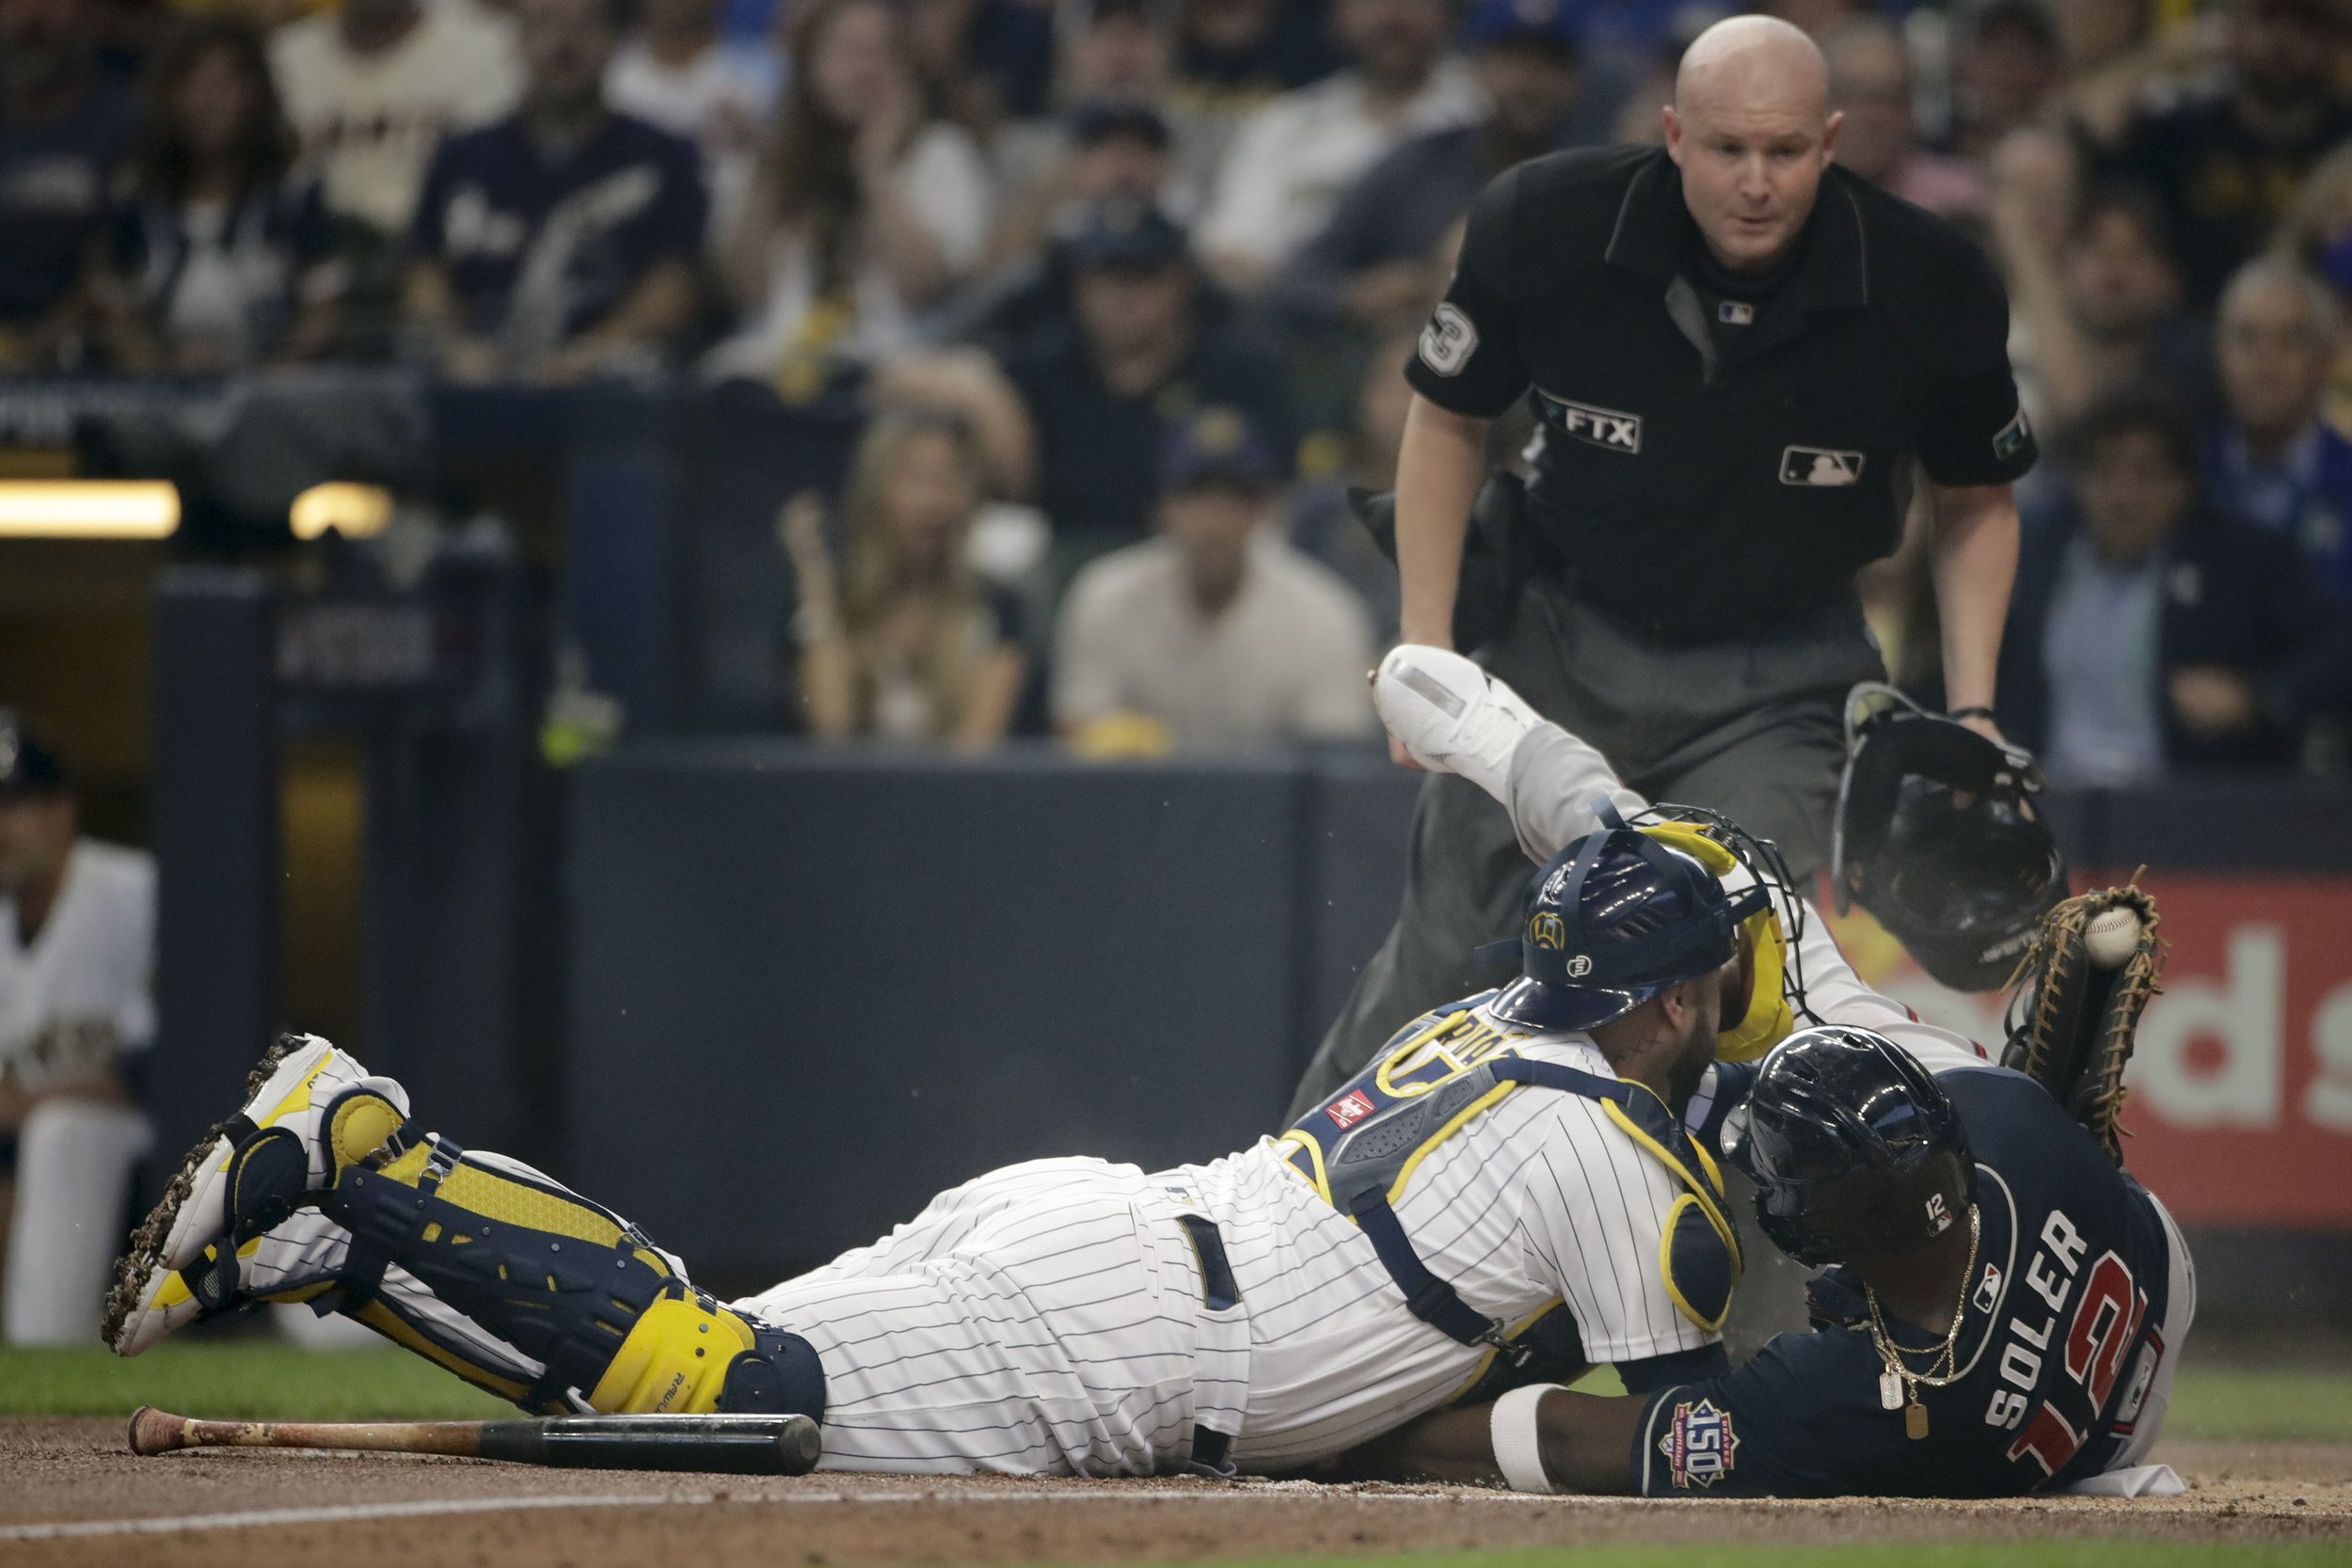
column 2059, row 1346
column 557, row 239
column 1099, row 451
column 236, row 274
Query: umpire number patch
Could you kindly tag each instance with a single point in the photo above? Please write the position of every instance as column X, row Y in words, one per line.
column 1449, row 341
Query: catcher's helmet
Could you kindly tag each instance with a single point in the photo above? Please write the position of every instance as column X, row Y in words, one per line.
column 1617, row 918
column 1853, row 1148
column 1962, row 887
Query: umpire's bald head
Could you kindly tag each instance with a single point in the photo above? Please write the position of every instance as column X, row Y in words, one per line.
column 1751, row 129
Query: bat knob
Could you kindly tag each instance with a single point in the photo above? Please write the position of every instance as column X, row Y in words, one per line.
column 153, row 1431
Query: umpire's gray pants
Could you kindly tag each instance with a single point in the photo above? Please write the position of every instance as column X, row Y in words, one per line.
column 1752, row 728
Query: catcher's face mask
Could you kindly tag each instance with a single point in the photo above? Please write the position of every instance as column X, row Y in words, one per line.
column 1757, row 1014
column 1938, row 836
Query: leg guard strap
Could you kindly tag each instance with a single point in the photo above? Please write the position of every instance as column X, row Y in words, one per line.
column 569, row 1285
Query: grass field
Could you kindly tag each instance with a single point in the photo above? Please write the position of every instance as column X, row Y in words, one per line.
column 261, row 1377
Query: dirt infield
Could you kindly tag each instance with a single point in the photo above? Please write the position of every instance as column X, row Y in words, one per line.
column 73, row 1495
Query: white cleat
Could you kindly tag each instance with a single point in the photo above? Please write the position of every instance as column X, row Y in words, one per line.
column 1452, row 715
column 242, row 1177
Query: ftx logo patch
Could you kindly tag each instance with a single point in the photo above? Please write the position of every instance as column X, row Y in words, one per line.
column 1699, row 1446
column 1820, row 468
column 1605, row 428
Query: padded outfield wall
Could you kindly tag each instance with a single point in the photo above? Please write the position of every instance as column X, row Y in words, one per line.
column 806, row 991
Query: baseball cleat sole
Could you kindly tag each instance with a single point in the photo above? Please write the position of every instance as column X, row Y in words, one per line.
column 149, row 1298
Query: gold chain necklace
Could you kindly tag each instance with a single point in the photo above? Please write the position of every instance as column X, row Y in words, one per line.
column 1899, row 1386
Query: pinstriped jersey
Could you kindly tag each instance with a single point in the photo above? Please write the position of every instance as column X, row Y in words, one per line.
column 1537, row 1201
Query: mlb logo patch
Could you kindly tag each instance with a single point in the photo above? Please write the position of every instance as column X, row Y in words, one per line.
column 1699, row 1446
column 1735, row 312
column 1349, row 1109
column 1988, row 1288
column 1819, row 468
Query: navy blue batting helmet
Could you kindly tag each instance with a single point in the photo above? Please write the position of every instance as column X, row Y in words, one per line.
column 1617, row 918
column 1853, row 1148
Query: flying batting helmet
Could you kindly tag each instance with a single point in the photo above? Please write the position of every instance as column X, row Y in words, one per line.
column 1937, row 836
column 1853, row 1148
column 1617, row 918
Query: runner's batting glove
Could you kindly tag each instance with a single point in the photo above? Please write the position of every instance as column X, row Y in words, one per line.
column 1453, row 716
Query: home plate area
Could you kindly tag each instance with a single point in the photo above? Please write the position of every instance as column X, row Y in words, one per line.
column 75, row 1496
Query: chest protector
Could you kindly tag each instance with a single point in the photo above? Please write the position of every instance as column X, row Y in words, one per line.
column 1359, row 1148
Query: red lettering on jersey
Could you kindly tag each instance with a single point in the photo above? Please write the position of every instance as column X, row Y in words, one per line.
column 2105, row 1327
column 2048, row 1440
column 1350, row 1108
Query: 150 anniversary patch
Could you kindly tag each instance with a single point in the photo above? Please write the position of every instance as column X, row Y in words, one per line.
column 1699, row 1446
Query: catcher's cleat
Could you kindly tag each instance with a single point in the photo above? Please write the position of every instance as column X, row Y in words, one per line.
column 1452, row 715
column 310, row 1110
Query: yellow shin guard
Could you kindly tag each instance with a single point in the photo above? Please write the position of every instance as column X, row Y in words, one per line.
column 564, row 1280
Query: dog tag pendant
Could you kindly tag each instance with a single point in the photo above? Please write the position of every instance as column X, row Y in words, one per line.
column 1915, row 1420
column 1890, row 1391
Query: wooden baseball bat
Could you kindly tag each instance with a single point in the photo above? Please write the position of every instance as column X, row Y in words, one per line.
column 738, row 1445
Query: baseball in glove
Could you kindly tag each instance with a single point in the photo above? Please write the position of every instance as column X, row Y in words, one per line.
column 2080, row 988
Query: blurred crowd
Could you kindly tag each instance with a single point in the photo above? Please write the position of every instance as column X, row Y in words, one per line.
column 1123, row 288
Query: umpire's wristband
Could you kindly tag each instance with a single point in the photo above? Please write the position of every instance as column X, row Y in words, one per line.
column 1518, row 1439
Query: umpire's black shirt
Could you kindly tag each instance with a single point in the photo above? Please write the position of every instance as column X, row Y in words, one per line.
column 1721, row 452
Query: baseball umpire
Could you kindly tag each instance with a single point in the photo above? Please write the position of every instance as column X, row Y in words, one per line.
column 1738, row 353
column 2011, row 1304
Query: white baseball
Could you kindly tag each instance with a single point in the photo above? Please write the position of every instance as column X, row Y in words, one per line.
column 2111, row 937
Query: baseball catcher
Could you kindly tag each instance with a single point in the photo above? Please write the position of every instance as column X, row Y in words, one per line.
column 1507, row 1193
column 2007, row 1305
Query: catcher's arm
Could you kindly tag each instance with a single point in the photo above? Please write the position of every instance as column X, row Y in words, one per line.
column 1584, row 1440
column 2080, row 989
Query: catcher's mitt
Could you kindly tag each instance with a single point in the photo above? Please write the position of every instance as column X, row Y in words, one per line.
column 2074, row 1018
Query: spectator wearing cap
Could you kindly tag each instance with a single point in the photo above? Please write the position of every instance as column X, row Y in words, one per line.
column 1291, row 162
column 2145, row 633
column 1379, row 257
column 863, row 211
column 1110, row 147
column 1215, row 635
column 220, row 257
column 77, row 939
column 63, row 127
column 561, row 242
column 1140, row 352
column 2270, row 460
column 678, row 71
column 1233, row 57
column 1115, row 51
column 1870, row 85
column 2226, row 160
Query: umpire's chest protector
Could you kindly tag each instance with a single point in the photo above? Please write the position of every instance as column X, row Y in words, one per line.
column 1360, row 1149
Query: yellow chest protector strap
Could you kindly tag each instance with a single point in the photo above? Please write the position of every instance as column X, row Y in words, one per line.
column 1700, row 1260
